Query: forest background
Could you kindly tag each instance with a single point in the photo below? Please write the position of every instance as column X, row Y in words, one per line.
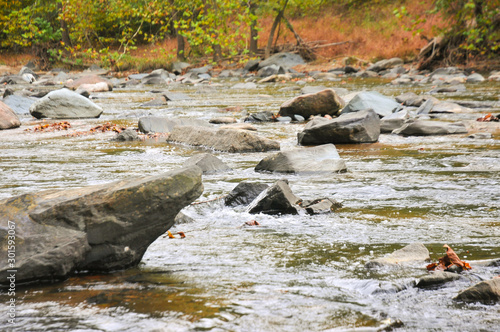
column 142, row 35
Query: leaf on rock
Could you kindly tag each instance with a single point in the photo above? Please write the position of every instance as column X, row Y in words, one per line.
column 447, row 261
column 170, row 235
column 181, row 234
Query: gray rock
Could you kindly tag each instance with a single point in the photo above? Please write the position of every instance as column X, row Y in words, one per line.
column 277, row 199
column 176, row 96
column 226, row 140
column 402, row 98
column 381, row 104
column 326, row 76
column 208, row 163
column 320, row 103
column 393, row 121
column 412, row 253
column 8, row 119
column 247, row 86
column 182, row 218
column 436, row 279
column 270, row 71
column 428, row 128
column 265, row 116
column 448, row 107
column 201, row 70
column 241, row 126
column 223, row 120
column 64, row 104
column 321, row 206
column 244, row 193
column 252, row 65
column 385, row 64
column 426, row 107
column 480, row 136
column 366, row 74
column 285, row 60
column 487, row 292
column 318, row 159
column 127, row 136
column 358, row 127
column 153, row 124
column 178, row 67
column 19, row 104
column 99, row 228
column 475, row 78
column 137, row 77
column 451, row 88
column 159, row 101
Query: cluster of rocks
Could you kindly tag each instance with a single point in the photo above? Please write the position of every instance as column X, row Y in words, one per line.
column 485, row 291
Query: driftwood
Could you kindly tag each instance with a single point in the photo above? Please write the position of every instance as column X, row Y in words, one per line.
column 432, row 52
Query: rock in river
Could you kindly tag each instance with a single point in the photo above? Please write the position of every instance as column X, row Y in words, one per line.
column 487, row 292
column 226, row 140
column 8, row 119
column 415, row 252
column 323, row 158
column 154, row 124
column 277, row 199
column 320, row 103
column 427, row 128
column 244, row 193
column 208, row 163
column 358, row 127
column 64, row 104
column 381, row 104
column 97, row 228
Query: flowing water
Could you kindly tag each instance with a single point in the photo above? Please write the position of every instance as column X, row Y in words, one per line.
column 291, row 273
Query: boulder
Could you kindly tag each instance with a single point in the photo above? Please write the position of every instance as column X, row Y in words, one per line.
column 385, row 64
column 270, row 71
column 246, row 86
column 321, row 103
column 95, row 87
column 226, row 140
column 99, row 228
column 487, row 292
column 285, row 60
column 412, row 253
column 277, row 199
column 89, row 80
column 208, row 163
column 244, row 193
column 358, row 127
column 178, row 67
column 393, row 121
column 320, row 206
column 451, row 88
column 318, row 159
column 8, row 119
column 428, row 128
column 475, row 78
column 176, row 96
column 448, row 107
column 153, row 124
column 436, row 279
column 19, row 104
column 381, row 104
column 126, row 136
column 252, row 65
column 64, row 104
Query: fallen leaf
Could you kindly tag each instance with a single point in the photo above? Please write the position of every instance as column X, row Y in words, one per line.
column 170, row 235
column 447, row 261
column 252, row 223
column 181, row 234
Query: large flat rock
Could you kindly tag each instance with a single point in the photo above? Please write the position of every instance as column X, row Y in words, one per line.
column 64, row 104
column 96, row 229
column 226, row 140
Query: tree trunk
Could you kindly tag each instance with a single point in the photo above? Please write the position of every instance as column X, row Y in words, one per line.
column 254, row 34
column 180, row 47
column 64, row 28
column 273, row 29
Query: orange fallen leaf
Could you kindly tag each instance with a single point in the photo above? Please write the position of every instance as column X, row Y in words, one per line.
column 181, row 234
column 170, row 235
column 447, row 261
column 252, row 223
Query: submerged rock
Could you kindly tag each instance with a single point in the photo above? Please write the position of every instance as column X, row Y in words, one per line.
column 318, row 159
column 90, row 81
column 358, row 127
column 64, row 104
column 126, row 136
column 319, row 103
column 8, row 119
column 227, row 140
column 487, row 292
column 19, row 104
column 96, row 229
column 415, row 252
column 244, row 193
column 321, row 205
column 277, row 199
column 208, row 163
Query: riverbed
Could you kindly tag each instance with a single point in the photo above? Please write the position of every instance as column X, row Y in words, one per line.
column 290, row 273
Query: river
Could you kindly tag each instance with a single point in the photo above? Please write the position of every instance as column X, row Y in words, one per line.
column 291, row 273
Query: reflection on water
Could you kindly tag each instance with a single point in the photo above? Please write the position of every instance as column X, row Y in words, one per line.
column 292, row 273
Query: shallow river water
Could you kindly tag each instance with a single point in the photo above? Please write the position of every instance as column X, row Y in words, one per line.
column 291, row 273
